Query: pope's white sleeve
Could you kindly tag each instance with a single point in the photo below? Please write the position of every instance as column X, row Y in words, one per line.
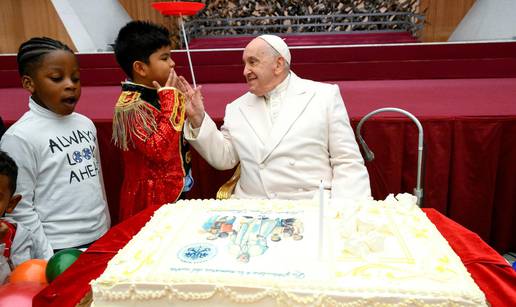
column 190, row 132
column 25, row 213
column 350, row 177
column 213, row 145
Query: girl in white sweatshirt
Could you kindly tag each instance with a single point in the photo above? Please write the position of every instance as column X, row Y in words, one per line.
column 60, row 179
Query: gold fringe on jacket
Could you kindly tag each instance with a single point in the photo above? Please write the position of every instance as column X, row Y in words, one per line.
column 133, row 116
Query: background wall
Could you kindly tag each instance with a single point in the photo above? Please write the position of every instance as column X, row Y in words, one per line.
column 442, row 16
column 20, row 20
column 142, row 10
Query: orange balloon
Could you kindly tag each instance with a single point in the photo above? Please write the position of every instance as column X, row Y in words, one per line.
column 31, row 270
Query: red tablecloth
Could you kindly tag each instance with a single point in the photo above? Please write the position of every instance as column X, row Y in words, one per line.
column 489, row 270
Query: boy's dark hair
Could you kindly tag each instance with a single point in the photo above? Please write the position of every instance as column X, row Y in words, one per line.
column 32, row 51
column 9, row 168
column 136, row 41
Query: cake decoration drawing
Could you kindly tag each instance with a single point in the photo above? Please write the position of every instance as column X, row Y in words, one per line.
column 250, row 235
column 197, row 252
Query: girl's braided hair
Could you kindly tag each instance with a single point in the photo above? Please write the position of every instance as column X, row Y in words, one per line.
column 32, row 51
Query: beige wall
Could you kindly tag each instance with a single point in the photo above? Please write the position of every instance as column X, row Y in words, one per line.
column 143, row 10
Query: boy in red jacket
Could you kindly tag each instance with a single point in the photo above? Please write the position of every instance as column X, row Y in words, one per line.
column 148, row 120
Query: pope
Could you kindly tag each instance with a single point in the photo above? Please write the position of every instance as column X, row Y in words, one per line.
column 287, row 133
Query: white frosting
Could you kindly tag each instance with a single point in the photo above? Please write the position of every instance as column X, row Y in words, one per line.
column 193, row 253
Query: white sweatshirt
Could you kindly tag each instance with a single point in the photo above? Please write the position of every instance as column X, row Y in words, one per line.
column 59, row 177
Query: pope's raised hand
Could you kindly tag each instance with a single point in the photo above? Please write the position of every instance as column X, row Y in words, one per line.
column 194, row 102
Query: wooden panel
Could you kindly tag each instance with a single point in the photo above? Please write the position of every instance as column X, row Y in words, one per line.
column 142, row 10
column 21, row 20
column 442, row 17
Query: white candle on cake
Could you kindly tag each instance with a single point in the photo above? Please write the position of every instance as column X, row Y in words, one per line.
column 321, row 219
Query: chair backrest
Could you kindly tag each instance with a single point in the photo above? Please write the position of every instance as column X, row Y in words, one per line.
column 226, row 190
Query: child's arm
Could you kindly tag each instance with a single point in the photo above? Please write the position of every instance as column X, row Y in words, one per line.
column 22, row 245
column 101, row 178
column 163, row 144
column 25, row 212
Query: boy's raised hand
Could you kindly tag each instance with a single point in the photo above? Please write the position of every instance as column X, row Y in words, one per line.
column 172, row 80
column 194, row 102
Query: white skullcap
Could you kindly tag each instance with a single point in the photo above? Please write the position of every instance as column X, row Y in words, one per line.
column 277, row 44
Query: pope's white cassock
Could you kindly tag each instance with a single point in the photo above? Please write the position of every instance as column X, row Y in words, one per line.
column 286, row 143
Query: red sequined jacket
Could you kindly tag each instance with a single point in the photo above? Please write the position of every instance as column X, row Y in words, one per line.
column 147, row 126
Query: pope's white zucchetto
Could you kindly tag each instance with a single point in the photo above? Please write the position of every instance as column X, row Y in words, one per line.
column 277, row 44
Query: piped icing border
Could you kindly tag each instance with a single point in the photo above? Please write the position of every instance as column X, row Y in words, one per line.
column 281, row 297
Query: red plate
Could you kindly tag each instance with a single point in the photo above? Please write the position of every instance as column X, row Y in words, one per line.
column 178, row 8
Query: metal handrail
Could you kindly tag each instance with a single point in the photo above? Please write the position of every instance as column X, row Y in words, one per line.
column 353, row 22
column 307, row 25
column 369, row 155
column 333, row 16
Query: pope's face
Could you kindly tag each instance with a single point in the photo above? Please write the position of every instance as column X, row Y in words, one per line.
column 262, row 68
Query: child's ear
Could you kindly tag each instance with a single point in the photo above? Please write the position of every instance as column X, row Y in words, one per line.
column 27, row 83
column 140, row 68
column 15, row 199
